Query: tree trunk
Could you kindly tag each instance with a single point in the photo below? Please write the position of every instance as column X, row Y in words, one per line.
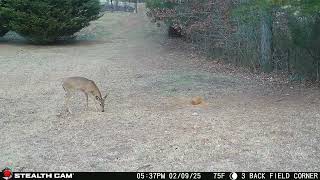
column 318, row 70
column 288, row 61
column 117, row 5
column 266, row 42
column 112, row 7
column 136, row 6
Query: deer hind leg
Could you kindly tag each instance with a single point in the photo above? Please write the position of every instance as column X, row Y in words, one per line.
column 87, row 100
column 67, row 101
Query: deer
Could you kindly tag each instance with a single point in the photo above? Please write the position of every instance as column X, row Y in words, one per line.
column 88, row 87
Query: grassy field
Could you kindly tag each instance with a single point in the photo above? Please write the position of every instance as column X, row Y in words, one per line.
column 149, row 123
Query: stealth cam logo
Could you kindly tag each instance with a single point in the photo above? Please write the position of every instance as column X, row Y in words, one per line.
column 6, row 174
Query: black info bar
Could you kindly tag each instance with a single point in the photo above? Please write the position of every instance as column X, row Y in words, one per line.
column 166, row 175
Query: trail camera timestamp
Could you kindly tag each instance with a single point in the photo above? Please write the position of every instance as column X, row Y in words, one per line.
column 151, row 175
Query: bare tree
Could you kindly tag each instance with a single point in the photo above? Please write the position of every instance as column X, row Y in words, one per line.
column 266, row 42
column 136, row 5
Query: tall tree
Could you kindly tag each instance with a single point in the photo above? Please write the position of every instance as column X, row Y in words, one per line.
column 266, row 39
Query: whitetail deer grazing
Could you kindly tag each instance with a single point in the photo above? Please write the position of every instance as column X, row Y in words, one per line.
column 85, row 85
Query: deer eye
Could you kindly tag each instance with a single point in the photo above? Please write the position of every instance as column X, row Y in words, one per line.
column 97, row 98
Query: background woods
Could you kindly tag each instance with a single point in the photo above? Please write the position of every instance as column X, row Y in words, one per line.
column 263, row 35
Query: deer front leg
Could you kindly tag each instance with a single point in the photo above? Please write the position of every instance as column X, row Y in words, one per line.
column 95, row 102
column 95, row 105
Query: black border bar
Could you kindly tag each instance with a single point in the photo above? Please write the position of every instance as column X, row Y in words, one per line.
column 168, row 175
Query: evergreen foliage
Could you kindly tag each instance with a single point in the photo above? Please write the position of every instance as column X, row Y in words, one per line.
column 3, row 23
column 45, row 21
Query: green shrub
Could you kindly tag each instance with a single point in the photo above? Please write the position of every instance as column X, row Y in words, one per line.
column 44, row 21
column 153, row 4
column 3, row 27
column 3, row 23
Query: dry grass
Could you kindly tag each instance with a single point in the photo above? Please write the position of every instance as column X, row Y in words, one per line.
column 149, row 123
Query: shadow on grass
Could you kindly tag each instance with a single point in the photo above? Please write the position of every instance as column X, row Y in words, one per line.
column 14, row 39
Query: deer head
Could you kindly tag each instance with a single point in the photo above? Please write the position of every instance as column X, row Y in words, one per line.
column 101, row 101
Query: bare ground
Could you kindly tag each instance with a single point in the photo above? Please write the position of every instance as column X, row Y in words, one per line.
column 149, row 123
